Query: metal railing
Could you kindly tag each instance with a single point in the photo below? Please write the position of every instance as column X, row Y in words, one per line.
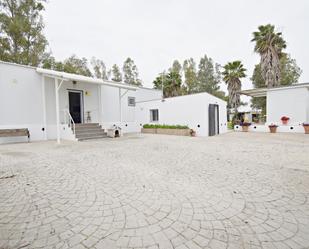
column 69, row 120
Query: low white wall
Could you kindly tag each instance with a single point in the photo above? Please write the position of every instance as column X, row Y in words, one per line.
column 290, row 102
column 190, row 110
column 280, row 128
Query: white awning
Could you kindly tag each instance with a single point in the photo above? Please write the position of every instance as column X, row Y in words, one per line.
column 80, row 78
column 261, row 92
column 258, row 92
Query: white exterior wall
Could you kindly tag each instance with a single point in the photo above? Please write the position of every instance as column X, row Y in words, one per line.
column 21, row 101
column 290, row 102
column 190, row 110
column 111, row 110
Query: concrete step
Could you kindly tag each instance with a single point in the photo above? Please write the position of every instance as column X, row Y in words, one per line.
column 90, row 129
column 87, row 125
column 94, row 137
column 90, row 133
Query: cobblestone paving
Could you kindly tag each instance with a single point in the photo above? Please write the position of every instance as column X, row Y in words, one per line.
column 231, row 191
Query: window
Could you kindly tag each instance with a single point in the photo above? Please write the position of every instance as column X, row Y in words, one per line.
column 154, row 115
column 131, row 101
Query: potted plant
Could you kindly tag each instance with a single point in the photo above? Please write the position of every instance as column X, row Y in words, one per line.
column 306, row 127
column 192, row 133
column 285, row 120
column 245, row 126
column 273, row 128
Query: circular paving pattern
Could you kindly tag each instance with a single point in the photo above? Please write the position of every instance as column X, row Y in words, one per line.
column 144, row 191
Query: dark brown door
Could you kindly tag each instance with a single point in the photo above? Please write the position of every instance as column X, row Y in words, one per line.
column 213, row 119
column 75, row 103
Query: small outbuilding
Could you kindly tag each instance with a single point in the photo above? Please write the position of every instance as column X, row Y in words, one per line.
column 290, row 101
column 202, row 112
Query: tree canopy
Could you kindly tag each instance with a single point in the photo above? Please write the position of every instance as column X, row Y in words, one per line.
column 130, row 72
column 21, row 31
column 269, row 44
column 232, row 74
column 191, row 79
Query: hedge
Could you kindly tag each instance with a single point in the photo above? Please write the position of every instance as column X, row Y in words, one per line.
column 164, row 126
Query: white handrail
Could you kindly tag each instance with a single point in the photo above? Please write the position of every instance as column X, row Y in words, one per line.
column 71, row 123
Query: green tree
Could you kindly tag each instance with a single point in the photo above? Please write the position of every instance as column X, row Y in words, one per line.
column 116, row 74
column 99, row 69
column 190, row 81
column 269, row 45
column 233, row 72
column 77, row 66
column 290, row 74
column 50, row 63
column 208, row 76
column 130, row 72
column 21, row 31
column 171, row 83
column 176, row 67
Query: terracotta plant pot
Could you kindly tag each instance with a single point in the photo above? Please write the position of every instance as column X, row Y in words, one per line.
column 245, row 128
column 272, row 129
column 285, row 121
column 306, row 128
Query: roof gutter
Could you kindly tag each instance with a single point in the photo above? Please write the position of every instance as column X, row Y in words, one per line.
column 81, row 78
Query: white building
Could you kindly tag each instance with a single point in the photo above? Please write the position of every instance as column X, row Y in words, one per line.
column 48, row 102
column 290, row 101
column 202, row 112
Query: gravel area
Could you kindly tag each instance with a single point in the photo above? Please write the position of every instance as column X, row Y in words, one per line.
column 237, row 190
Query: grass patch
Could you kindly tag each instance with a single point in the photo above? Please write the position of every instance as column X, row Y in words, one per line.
column 164, row 126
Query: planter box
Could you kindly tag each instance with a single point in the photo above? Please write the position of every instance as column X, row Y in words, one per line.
column 306, row 128
column 176, row 132
column 149, row 130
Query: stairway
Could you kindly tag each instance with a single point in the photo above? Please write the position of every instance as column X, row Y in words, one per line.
column 89, row 131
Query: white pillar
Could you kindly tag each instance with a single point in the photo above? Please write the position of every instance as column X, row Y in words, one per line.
column 57, row 111
column 100, row 103
column 120, row 107
column 44, row 107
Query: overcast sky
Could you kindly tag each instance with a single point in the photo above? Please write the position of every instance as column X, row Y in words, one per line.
column 155, row 32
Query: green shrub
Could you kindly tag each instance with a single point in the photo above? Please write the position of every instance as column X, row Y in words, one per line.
column 230, row 125
column 164, row 126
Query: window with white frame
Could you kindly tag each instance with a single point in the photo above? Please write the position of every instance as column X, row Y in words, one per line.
column 154, row 115
column 131, row 101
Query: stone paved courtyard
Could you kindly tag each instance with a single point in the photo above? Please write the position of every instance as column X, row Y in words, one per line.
column 238, row 190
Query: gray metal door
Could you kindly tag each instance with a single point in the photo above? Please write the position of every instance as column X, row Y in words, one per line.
column 213, row 119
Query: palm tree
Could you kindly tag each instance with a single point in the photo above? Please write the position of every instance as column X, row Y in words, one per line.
column 269, row 45
column 233, row 72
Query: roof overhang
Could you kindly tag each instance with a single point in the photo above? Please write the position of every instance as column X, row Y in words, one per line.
column 258, row 92
column 80, row 78
column 262, row 92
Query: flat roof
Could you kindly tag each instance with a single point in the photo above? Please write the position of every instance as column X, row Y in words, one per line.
column 262, row 92
column 75, row 77
column 81, row 78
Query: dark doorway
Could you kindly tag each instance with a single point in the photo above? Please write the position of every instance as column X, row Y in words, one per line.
column 213, row 119
column 75, row 106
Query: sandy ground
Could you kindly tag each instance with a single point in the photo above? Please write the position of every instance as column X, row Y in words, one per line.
column 238, row 190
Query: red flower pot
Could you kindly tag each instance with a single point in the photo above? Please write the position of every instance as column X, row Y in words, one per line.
column 272, row 128
column 285, row 121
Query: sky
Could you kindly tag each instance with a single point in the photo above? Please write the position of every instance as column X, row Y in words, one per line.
column 155, row 32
